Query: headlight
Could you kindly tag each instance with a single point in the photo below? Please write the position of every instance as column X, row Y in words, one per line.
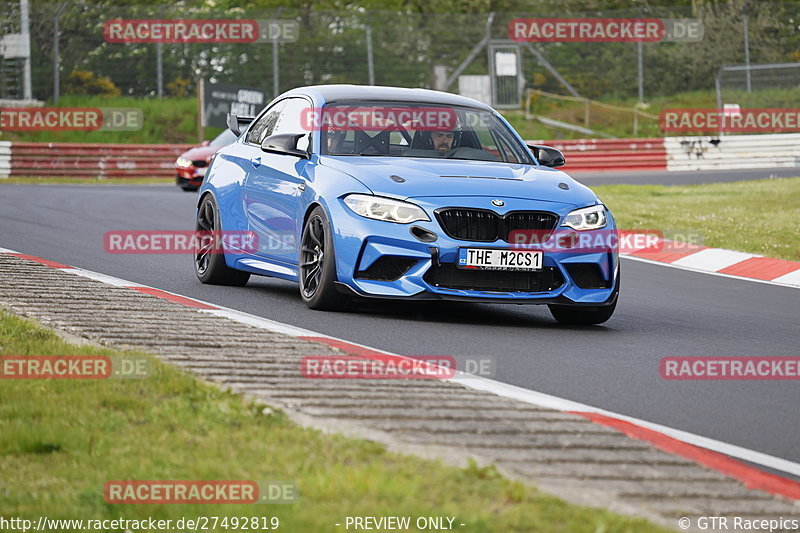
column 587, row 218
column 181, row 162
column 386, row 209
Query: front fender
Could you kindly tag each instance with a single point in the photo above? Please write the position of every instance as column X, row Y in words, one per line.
column 225, row 181
column 326, row 187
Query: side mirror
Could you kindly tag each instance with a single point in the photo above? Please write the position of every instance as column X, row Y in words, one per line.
column 285, row 143
column 548, row 156
column 236, row 123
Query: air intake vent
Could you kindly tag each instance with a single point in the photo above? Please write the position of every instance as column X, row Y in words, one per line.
column 448, row 276
column 387, row 268
column 587, row 276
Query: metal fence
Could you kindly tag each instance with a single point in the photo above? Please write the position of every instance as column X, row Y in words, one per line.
column 761, row 85
column 70, row 54
column 11, row 69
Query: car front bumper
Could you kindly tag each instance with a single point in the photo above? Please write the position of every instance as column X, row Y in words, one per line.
column 367, row 250
column 189, row 176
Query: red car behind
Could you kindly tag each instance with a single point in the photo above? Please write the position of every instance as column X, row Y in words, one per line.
column 191, row 165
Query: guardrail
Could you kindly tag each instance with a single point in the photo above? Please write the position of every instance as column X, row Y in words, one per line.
column 78, row 160
column 596, row 155
column 733, row 152
column 680, row 153
column 89, row 160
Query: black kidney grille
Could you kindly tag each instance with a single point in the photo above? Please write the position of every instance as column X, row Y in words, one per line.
column 522, row 220
column 470, row 224
column 487, row 226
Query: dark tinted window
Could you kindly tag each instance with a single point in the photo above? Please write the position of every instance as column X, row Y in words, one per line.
column 266, row 124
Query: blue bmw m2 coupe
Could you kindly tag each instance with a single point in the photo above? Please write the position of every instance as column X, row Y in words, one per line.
column 380, row 192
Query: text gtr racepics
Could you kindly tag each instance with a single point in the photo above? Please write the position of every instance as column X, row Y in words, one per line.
column 379, row 192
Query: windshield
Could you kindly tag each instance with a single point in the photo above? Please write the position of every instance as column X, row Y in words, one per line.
column 396, row 129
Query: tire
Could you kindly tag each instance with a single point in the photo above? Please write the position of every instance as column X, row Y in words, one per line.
column 210, row 267
column 189, row 188
column 585, row 316
column 317, row 265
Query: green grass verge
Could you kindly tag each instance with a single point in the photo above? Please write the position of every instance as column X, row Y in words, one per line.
column 750, row 216
column 60, row 441
column 174, row 120
column 165, row 121
column 620, row 123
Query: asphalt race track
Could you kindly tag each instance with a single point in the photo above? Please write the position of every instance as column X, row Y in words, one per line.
column 663, row 312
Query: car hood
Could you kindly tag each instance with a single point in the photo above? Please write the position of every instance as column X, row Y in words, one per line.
column 418, row 177
column 200, row 153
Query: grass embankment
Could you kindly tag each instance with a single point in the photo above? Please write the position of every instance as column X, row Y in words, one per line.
column 620, row 123
column 174, row 120
column 759, row 217
column 165, row 121
column 61, row 441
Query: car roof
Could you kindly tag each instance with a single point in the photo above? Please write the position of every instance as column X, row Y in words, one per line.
column 333, row 93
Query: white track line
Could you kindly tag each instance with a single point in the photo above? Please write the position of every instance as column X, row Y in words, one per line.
column 259, row 322
column 110, row 280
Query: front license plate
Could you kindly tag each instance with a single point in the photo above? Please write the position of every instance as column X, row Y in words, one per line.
column 493, row 259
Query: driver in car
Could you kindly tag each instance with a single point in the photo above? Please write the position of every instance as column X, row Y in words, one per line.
column 442, row 140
